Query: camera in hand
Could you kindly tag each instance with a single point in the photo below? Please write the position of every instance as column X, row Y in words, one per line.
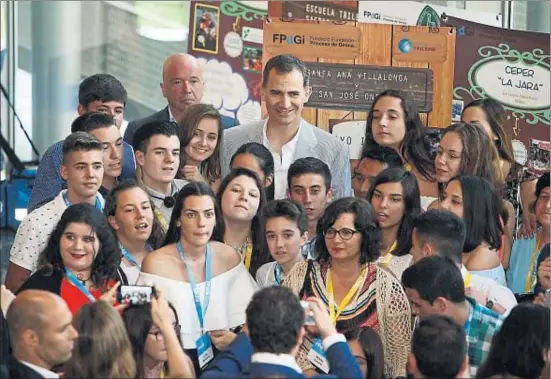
column 135, row 295
column 308, row 314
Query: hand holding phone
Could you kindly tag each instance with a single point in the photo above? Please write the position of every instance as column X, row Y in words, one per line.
column 308, row 314
column 135, row 295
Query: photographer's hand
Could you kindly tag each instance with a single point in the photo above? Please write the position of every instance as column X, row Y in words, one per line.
column 324, row 324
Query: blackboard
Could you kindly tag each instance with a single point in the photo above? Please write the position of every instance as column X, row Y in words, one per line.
column 354, row 87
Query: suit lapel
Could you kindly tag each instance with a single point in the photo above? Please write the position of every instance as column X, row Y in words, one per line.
column 306, row 141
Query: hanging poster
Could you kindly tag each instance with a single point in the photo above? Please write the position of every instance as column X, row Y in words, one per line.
column 512, row 67
column 417, row 13
column 226, row 37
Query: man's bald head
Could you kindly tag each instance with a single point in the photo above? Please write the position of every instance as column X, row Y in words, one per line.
column 182, row 84
column 39, row 323
column 29, row 310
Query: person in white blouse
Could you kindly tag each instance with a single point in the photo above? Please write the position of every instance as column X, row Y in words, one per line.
column 130, row 213
column 442, row 233
column 205, row 280
column 286, row 233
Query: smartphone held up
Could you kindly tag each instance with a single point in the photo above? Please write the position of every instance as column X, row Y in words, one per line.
column 135, row 295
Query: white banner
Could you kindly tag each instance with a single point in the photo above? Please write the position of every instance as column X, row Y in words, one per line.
column 415, row 13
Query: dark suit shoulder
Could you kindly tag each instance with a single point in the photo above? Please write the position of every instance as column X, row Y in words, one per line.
column 134, row 125
column 13, row 369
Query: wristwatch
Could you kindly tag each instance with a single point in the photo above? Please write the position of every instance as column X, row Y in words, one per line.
column 489, row 304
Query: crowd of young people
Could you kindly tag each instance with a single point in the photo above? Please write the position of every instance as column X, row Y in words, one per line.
column 268, row 255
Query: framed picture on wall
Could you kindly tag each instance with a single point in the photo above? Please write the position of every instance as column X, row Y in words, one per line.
column 206, row 27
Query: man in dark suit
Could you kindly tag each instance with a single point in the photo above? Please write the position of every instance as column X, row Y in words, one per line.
column 275, row 328
column 41, row 334
column 182, row 86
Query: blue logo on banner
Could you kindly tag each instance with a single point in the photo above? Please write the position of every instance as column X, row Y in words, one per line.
column 405, row 45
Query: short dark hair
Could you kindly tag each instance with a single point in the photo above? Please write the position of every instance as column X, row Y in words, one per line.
column 284, row 64
column 91, row 121
column 153, row 128
column 412, row 204
column 519, row 346
column 439, row 345
column 80, row 141
column 482, row 208
column 108, row 257
column 157, row 236
column 309, row 165
column 264, row 158
column 443, row 230
column 365, row 223
column 372, row 346
column 101, row 87
column 434, row 277
column 274, row 319
column 383, row 154
column 290, row 209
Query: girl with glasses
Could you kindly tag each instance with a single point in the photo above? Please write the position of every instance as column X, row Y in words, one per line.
column 154, row 333
column 357, row 291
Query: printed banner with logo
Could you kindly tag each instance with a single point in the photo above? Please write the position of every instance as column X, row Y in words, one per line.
column 417, row 13
column 512, row 67
column 227, row 38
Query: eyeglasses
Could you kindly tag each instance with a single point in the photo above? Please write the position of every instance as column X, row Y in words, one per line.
column 344, row 233
column 159, row 335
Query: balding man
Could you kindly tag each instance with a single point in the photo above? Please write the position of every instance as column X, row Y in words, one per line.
column 41, row 335
column 182, row 86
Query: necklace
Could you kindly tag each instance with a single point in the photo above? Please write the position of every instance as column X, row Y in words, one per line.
column 81, row 278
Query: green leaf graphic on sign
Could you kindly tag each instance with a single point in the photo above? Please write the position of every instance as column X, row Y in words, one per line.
column 428, row 17
column 236, row 9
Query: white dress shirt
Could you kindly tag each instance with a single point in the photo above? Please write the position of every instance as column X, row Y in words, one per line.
column 288, row 360
column 281, row 162
column 41, row 370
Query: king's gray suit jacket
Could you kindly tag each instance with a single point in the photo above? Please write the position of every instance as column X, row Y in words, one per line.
column 312, row 142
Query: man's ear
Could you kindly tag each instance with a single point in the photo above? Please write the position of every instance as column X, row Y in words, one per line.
column 308, row 93
column 81, row 109
column 427, row 250
column 63, row 171
column 330, row 195
column 441, row 304
column 111, row 220
column 140, row 157
column 268, row 181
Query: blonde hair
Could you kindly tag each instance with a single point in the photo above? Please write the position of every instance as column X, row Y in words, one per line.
column 103, row 348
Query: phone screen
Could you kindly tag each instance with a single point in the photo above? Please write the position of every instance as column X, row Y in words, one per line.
column 135, row 295
column 548, row 298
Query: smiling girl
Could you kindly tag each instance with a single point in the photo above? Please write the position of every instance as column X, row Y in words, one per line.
column 200, row 139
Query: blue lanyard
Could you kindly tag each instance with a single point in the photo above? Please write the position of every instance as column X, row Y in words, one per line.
column 201, row 312
column 278, row 273
column 129, row 257
column 68, row 203
column 74, row 280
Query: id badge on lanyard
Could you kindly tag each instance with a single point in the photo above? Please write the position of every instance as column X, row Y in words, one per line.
column 205, row 353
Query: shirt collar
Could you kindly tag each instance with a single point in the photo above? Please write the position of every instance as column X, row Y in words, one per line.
column 171, row 116
column 286, row 360
column 292, row 144
column 464, row 271
column 41, row 370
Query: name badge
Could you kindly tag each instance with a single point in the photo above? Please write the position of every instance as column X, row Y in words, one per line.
column 204, row 350
column 316, row 356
